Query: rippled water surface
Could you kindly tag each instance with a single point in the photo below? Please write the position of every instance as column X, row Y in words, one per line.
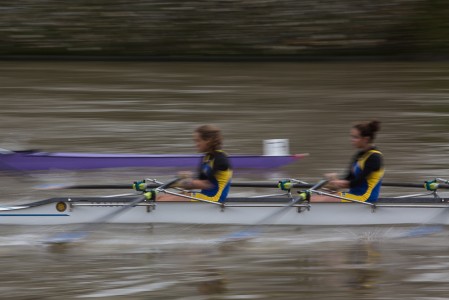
column 153, row 108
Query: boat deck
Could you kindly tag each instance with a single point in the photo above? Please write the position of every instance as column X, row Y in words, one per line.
column 229, row 201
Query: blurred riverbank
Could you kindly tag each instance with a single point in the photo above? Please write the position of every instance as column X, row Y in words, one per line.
column 206, row 30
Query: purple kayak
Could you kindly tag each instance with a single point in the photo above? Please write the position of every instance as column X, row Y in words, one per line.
column 33, row 160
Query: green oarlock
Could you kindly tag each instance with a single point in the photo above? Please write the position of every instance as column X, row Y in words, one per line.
column 139, row 185
column 151, row 195
column 285, row 185
column 431, row 185
column 304, row 195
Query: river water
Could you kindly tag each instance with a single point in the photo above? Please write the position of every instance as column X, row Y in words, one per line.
column 147, row 107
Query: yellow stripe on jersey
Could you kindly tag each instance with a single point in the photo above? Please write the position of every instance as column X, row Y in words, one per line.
column 373, row 180
column 224, row 182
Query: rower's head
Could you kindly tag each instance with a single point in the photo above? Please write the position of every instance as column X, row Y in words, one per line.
column 208, row 138
column 364, row 133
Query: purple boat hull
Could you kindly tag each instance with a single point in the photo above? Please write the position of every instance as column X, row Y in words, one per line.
column 36, row 160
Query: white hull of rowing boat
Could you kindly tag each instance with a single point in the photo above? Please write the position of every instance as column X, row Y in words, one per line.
column 238, row 213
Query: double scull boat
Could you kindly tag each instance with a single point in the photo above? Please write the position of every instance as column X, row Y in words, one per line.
column 241, row 211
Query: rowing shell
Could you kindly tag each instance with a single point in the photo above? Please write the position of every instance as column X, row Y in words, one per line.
column 244, row 211
column 37, row 160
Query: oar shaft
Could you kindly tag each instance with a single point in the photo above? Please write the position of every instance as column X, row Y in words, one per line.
column 106, row 186
column 284, row 209
column 412, row 185
column 267, row 184
column 244, row 184
column 155, row 185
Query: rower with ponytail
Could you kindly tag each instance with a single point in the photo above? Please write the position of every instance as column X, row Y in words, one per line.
column 365, row 173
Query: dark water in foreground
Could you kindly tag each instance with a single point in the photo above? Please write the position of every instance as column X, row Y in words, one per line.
column 170, row 262
column 153, row 108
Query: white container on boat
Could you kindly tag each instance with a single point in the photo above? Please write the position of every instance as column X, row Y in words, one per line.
column 276, row 147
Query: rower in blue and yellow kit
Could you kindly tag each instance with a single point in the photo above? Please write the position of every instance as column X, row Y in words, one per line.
column 214, row 175
column 364, row 176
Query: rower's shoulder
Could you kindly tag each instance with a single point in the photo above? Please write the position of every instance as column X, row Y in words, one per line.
column 374, row 152
column 221, row 154
column 222, row 159
column 375, row 149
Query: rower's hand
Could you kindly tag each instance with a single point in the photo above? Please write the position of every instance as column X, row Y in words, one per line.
column 185, row 180
column 140, row 186
column 331, row 186
column 185, row 183
column 336, row 184
column 331, row 176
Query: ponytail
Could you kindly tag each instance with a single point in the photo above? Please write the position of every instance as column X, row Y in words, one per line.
column 368, row 129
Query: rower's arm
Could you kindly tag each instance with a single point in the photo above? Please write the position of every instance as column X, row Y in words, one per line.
column 190, row 184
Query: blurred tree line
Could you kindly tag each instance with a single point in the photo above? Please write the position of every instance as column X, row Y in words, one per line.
column 225, row 28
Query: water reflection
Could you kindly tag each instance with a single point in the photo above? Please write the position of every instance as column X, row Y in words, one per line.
column 166, row 262
column 363, row 261
column 212, row 282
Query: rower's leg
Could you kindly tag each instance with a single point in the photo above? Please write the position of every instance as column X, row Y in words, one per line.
column 323, row 198
column 168, row 197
